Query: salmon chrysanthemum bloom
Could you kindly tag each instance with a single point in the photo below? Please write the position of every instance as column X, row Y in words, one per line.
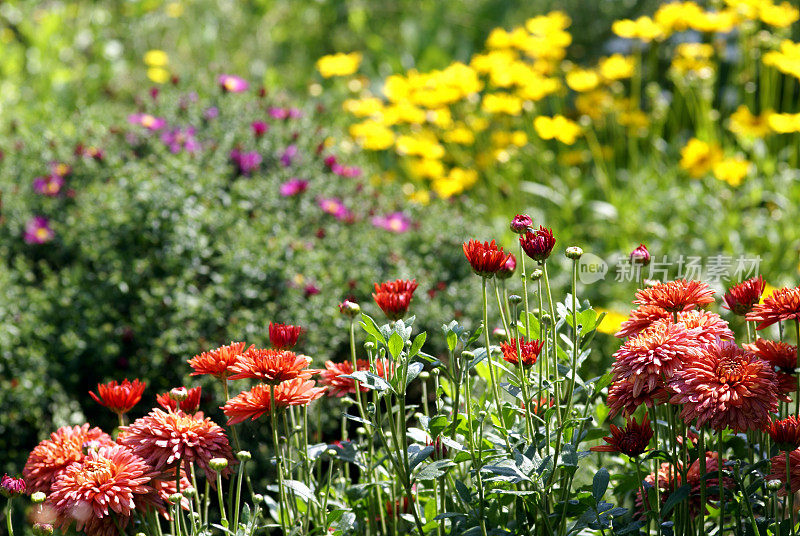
column 620, row 398
column 333, row 377
column 631, row 440
column 740, row 299
column 653, row 356
column 104, row 482
column 530, row 351
column 254, row 403
column 676, row 295
column 217, row 362
column 670, row 479
column 394, row 297
column 65, row 446
column 706, row 326
column 190, row 402
column 119, row 397
column 284, row 336
column 272, row 366
column 783, row 358
column 785, row 433
column 778, row 471
column 640, row 319
column 725, row 386
column 783, row 304
column 486, row 258
column 164, row 438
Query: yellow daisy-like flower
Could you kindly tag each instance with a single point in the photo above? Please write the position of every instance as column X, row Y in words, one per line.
column 156, row 58
column 732, row 170
column 364, row 107
column 612, row 322
column 502, row 103
column 784, row 123
column 372, row 135
column 698, row 157
column 582, row 80
column 694, row 58
column 460, row 135
column 426, row 168
column 714, row 21
column 159, row 75
column 743, row 123
column 780, row 16
column 644, row 28
column 616, row 67
column 676, row 16
column 339, row 64
column 557, row 127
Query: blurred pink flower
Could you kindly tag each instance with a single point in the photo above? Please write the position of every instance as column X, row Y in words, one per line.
column 396, row 222
column 246, row 162
column 232, row 84
column 259, row 128
column 38, row 230
column 293, row 186
column 335, row 208
column 50, row 185
column 288, row 155
column 150, row 122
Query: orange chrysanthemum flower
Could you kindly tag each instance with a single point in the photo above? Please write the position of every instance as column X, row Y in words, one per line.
column 333, row 377
column 163, row 439
column 778, row 471
column 486, row 258
column 632, row 440
column 726, row 386
column 640, row 319
column 394, row 297
column 785, row 433
column 620, row 398
column 254, row 403
column 217, row 362
column 705, row 326
column 530, row 351
column 102, row 483
column 50, row 457
column 783, row 304
column 676, row 295
column 740, row 299
column 119, row 398
column 653, row 356
column 272, row 366
column 783, row 358
column 284, row 336
column 189, row 404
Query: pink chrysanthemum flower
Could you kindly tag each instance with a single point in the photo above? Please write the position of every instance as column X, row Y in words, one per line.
column 781, row 305
column 740, row 299
column 640, row 319
column 778, row 471
column 254, row 403
column 706, row 326
column 150, row 122
column 783, row 358
column 284, row 336
column 676, row 295
column 620, row 398
column 163, row 439
column 272, row 366
column 725, row 386
column 53, row 455
column 396, row 222
column 232, row 84
column 38, row 231
column 654, row 356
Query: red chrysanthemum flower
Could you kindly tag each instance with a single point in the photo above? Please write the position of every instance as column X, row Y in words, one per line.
column 726, row 386
column 164, row 438
column 530, row 351
column 508, row 268
column 538, row 243
column 620, row 398
column 640, row 319
column 486, row 258
column 740, row 299
column 104, row 482
column 272, row 366
column 394, row 297
column 705, row 326
column 399, row 507
column 783, row 358
column 676, row 295
column 217, row 362
column 653, row 356
column 254, row 403
column 333, row 377
column 632, row 440
column 640, row 255
column 284, row 336
column 785, row 433
column 53, row 455
column 164, row 486
column 119, row 398
column 189, row 404
column 10, row 486
column 520, row 223
column 778, row 471
column 783, row 304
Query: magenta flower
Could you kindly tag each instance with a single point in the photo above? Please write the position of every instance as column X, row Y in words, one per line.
column 346, row 171
column 60, row 168
column 293, row 186
column 311, row 290
column 49, row 186
column 285, row 113
column 38, row 230
column 259, row 128
column 246, row 162
column 178, row 139
column 396, row 222
column 210, row 113
column 288, row 155
column 232, row 84
column 330, row 161
column 150, row 122
column 335, row 208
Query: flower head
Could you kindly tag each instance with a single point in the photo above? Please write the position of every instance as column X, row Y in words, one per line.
column 339, row 64
column 521, row 223
column 180, row 139
column 538, row 243
column 486, row 258
column 246, row 162
column 778, row 471
column 218, row 363
column 254, row 403
column 530, row 351
column 335, row 208
column 740, row 299
column 232, row 84
column 785, row 433
column 640, row 319
column 396, row 222
column 119, row 398
column 271, row 365
column 621, row 398
column 706, row 326
column 394, row 297
column 189, row 404
column 676, row 295
column 293, row 186
column 259, row 128
column 782, row 357
column 38, row 230
column 150, row 122
column 783, row 304
column 288, row 155
column 53, row 455
column 508, row 268
column 163, row 438
column 49, row 186
column 632, row 440
column 725, row 386
column 10, row 486
column 284, row 336
column 640, row 255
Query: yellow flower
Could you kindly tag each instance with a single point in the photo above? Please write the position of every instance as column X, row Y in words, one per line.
column 460, row 135
column 574, row 158
column 694, row 58
column 441, row 117
column 420, row 197
column 616, row 67
column 421, row 145
column 403, row 112
column 519, row 138
column 455, row 182
column 426, row 168
column 595, row 103
column 743, row 123
column 364, row 107
column 636, row 120
column 787, row 60
column 675, row 16
column 502, row 103
column 538, row 88
column 768, row 290
column 732, row 170
column 582, row 80
column 780, row 16
column 784, row 123
column 714, row 21
column 643, row 28
column 156, row 58
column 612, row 322
column 557, row 127
column 174, row 10
column 372, row 135
column 339, row 64
column 698, row 157
column 159, row 75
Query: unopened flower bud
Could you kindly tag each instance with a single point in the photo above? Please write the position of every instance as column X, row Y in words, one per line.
column 424, row 375
column 468, row 355
column 175, row 498
column 500, row 333
column 42, row 529
column 218, row 464
column 371, row 408
column 331, row 452
column 369, row 345
column 258, row 498
column 38, row 497
column 188, row 492
column 349, row 309
column 521, row 223
column 774, row 485
column 515, row 299
column 640, row 256
column 574, row 253
column 536, row 275
column 546, row 319
column 361, row 431
column 243, row 456
column 298, row 428
column 178, row 394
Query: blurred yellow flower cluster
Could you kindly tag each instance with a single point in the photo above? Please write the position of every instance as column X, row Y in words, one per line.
column 339, row 64
column 156, row 62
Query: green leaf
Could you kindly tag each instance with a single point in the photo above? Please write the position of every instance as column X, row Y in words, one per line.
column 600, row 484
column 416, row 346
column 413, row 371
column 678, row 496
column 452, row 340
column 395, row 345
column 370, row 380
column 434, row 470
column 302, row 491
column 369, row 325
column 437, row 424
column 463, row 492
column 418, row 454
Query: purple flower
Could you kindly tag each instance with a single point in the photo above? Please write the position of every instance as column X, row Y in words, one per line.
column 396, row 222
column 259, row 128
column 178, row 139
column 310, row 290
column 38, row 230
column 293, row 186
column 49, row 186
column 10, row 486
column 330, row 161
column 246, row 162
column 60, row 168
column 211, row 113
column 335, row 208
column 288, row 155
column 232, row 84
column 285, row 113
column 150, row 122
column 346, row 171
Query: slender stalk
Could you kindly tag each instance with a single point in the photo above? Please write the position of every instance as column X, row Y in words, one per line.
column 9, row 524
column 701, row 453
column 238, row 501
column 221, row 499
column 278, row 460
column 797, row 342
column 643, row 491
column 502, row 311
column 495, row 390
column 721, row 486
column 575, row 337
column 475, row 463
column 789, row 493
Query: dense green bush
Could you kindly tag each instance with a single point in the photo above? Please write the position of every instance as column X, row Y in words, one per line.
column 153, row 256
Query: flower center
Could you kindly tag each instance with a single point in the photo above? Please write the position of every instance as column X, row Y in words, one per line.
column 730, row 370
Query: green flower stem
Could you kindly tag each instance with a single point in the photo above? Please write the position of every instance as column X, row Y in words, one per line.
column 525, row 293
column 221, row 500
column 9, row 524
column 575, row 338
column 797, row 342
column 721, row 486
column 701, row 454
column 523, row 378
column 495, row 390
column 237, row 502
column 506, row 325
column 645, row 496
column 555, row 342
column 282, row 510
column 750, row 515
column 789, row 493
column 654, row 420
column 178, row 510
column 475, row 459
